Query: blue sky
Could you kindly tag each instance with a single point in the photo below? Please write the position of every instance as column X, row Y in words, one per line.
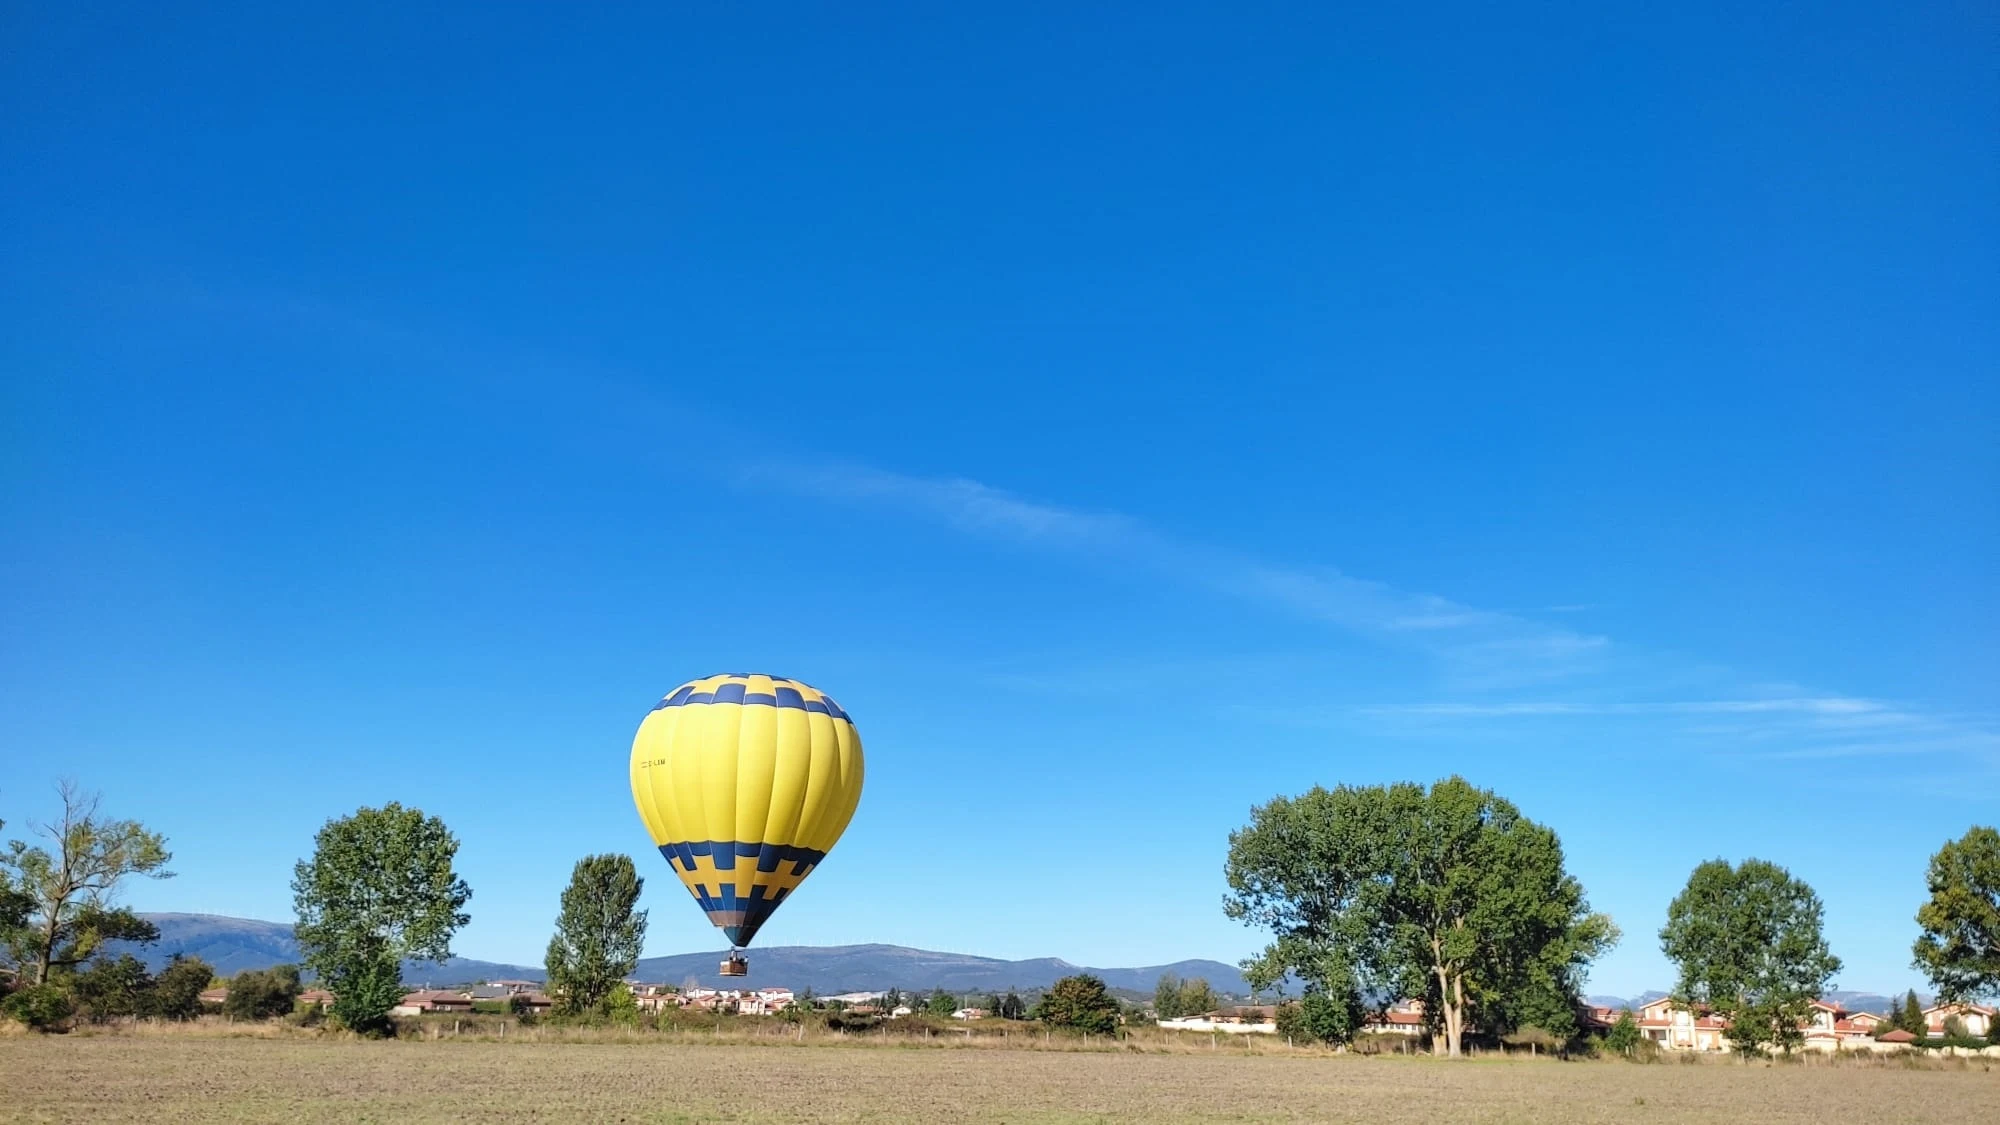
column 1128, row 415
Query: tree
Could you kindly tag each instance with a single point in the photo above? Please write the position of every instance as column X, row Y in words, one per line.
column 1623, row 1038
column 598, row 933
column 177, row 990
column 1167, row 997
column 15, row 906
column 40, row 1006
column 379, row 888
column 1448, row 894
column 66, row 892
column 1912, row 1019
column 620, row 1006
column 1319, row 1018
column 1012, row 1007
column 112, row 987
column 1748, row 944
column 941, row 1004
column 262, row 994
column 1197, row 997
column 1960, row 946
column 1081, row 1003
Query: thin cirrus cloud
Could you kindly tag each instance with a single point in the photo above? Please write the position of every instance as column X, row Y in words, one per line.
column 1478, row 650
column 1483, row 647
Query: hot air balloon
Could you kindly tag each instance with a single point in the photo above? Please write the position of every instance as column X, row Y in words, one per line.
column 745, row 782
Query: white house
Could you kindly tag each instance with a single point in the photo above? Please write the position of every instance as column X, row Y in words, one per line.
column 1977, row 1018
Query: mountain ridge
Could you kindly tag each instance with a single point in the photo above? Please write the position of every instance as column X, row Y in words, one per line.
column 233, row 945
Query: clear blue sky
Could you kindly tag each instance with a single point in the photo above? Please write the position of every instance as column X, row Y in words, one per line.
column 1127, row 414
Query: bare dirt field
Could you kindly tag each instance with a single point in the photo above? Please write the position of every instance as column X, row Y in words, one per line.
column 190, row 1078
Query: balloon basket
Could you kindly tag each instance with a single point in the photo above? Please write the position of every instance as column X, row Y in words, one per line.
column 734, row 966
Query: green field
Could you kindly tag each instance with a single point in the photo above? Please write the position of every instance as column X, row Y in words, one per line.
column 176, row 1078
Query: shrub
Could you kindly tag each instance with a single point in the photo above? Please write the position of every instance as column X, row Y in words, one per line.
column 621, row 1006
column 176, row 993
column 263, row 995
column 43, row 1007
column 1623, row 1038
column 1534, row 1038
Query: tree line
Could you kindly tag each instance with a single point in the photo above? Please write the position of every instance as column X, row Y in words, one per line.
column 1450, row 895
column 1445, row 893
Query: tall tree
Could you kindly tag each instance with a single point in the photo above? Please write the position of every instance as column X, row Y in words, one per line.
column 1749, row 945
column 1960, row 946
column 1448, row 894
column 1167, row 997
column 598, row 933
column 1912, row 1018
column 379, row 888
column 67, row 888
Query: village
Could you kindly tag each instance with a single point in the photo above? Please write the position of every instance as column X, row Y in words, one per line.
column 1829, row 1028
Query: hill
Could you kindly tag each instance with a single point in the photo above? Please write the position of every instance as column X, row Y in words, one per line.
column 232, row 945
column 868, row 968
column 235, row 944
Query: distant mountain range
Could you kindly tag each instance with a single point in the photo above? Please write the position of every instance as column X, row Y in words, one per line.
column 232, row 945
column 235, row 944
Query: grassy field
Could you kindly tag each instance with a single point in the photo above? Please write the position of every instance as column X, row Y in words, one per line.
column 111, row 1078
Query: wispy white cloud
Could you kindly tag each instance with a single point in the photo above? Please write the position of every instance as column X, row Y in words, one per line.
column 1486, row 646
column 1834, row 705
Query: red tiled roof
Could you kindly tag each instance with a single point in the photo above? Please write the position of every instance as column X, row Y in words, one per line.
column 1898, row 1036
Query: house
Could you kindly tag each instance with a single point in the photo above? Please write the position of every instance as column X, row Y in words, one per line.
column 431, row 1000
column 488, row 992
column 317, row 997
column 1977, row 1018
column 1253, row 1019
column 970, row 1014
column 516, row 985
column 764, row 1002
column 534, row 1003
column 1830, row 1027
column 900, row 1011
column 1677, row 1029
column 212, row 997
column 656, row 997
column 1404, row 1017
column 1867, row 1021
column 1596, row 1017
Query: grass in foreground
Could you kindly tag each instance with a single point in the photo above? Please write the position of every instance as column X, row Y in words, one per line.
column 207, row 1078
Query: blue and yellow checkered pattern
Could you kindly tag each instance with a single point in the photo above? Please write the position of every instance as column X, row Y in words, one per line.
column 745, row 782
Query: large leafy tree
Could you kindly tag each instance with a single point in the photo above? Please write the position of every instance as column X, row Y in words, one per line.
column 598, row 933
column 112, row 987
column 58, row 897
column 378, row 889
column 177, row 990
column 1446, row 893
column 1749, row 945
column 1960, row 946
column 1081, row 1003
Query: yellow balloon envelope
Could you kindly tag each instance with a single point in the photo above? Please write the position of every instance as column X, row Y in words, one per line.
column 745, row 782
